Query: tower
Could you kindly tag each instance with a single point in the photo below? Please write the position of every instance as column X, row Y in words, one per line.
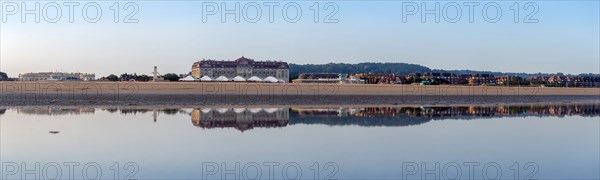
column 155, row 74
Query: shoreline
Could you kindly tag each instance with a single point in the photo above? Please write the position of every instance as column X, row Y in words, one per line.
column 293, row 106
column 14, row 94
column 285, row 100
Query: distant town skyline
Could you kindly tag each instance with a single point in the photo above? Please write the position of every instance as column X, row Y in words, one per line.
column 174, row 35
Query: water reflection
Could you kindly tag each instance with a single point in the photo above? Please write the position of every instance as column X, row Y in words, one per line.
column 240, row 118
column 56, row 111
column 244, row 119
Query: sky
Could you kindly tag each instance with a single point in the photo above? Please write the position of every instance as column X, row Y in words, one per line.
column 544, row 36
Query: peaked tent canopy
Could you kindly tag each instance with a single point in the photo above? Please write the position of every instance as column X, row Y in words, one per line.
column 239, row 79
column 254, row 79
column 270, row 79
column 187, row 78
column 222, row 79
column 205, row 78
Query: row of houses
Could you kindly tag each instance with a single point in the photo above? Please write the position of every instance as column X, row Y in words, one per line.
column 425, row 78
column 436, row 78
column 566, row 81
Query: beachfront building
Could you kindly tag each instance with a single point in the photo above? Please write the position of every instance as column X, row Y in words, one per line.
column 242, row 67
column 443, row 78
column 504, row 80
column 481, row 79
column 586, row 81
column 572, row 81
column 3, row 76
column 59, row 76
column 328, row 78
column 331, row 78
column 380, row 78
column 559, row 81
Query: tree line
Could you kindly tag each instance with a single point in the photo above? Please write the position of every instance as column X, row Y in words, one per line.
column 369, row 67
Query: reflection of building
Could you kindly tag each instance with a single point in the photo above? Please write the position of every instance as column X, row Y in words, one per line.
column 248, row 118
column 242, row 67
column 56, row 111
column 453, row 112
column 43, row 76
column 240, row 118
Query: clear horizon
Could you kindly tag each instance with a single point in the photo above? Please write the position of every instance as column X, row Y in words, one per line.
column 563, row 37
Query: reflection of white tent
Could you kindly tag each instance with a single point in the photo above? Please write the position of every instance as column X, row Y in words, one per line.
column 239, row 79
column 206, row 110
column 187, row 111
column 280, row 81
column 205, row 78
column 255, row 110
column 187, row 78
column 271, row 110
column 270, row 79
column 254, row 79
column 239, row 110
column 222, row 79
column 222, row 110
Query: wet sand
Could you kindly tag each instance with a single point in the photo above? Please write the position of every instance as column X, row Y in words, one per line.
column 251, row 94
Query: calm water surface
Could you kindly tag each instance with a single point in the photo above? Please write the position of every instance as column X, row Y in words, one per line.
column 462, row 142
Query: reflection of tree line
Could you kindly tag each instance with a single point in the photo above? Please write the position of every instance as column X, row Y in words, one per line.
column 249, row 118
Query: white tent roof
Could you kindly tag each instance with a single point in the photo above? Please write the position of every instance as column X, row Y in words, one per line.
column 254, row 78
column 222, row 78
column 239, row 79
column 205, row 78
column 187, row 78
column 281, row 81
column 270, row 79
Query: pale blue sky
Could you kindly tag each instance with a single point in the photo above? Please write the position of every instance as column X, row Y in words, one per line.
column 172, row 36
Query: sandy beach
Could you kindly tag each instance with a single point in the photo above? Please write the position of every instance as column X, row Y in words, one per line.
column 93, row 93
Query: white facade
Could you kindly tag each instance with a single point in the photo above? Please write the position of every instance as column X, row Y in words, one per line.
column 45, row 76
